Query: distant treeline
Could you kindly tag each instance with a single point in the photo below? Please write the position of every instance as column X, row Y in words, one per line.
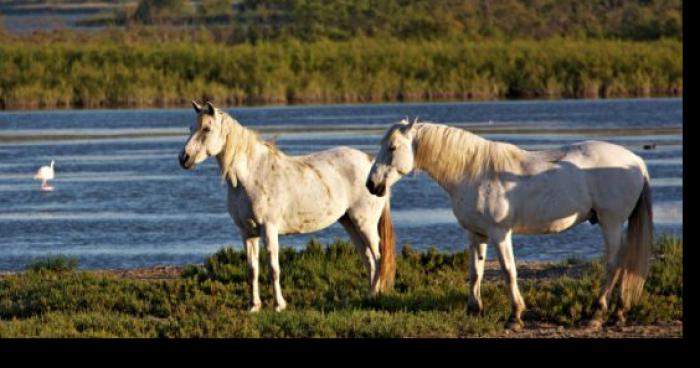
column 311, row 20
column 112, row 74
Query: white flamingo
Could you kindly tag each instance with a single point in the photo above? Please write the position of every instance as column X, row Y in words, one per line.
column 45, row 173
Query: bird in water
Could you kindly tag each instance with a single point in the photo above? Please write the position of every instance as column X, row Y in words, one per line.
column 45, row 173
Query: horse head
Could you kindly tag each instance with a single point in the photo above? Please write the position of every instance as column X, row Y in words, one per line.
column 395, row 158
column 207, row 136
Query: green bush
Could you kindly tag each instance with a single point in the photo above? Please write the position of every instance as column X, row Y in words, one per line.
column 53, row 264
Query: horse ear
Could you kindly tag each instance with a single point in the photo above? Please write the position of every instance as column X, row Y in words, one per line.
column 197, row 107
column 412, row 124
column 210, row 109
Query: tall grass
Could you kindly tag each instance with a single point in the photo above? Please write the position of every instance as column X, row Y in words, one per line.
column 359, row 70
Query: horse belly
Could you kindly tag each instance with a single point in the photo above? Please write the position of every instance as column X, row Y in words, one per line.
column 303, row 216
column 308, row 222
column 551, row 227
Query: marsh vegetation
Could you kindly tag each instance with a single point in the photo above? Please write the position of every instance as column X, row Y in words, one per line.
column 166, row 52
column 326, row 291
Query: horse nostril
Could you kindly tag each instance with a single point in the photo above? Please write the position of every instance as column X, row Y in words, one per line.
column 370, row 186
column 380, row 190
column 183, row 158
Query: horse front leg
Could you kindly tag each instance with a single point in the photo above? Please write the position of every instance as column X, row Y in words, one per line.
column 477, row 258
column 501, row 240
column 252, row 251
column 271, row 242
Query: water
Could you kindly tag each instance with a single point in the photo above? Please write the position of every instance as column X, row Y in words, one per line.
column 122, row 201
column 21, row 20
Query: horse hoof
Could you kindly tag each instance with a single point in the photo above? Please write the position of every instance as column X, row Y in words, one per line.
column 594, row 324
column 514, row 325
column 619, row 322
column 281, row 307
column 254, row 309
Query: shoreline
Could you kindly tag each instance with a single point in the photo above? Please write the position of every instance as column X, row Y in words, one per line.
column 456, row 99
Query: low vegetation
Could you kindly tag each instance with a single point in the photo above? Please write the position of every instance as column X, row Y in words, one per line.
column 325, row 288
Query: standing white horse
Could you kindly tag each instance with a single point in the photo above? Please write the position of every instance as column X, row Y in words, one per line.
column 271, row 194
column 498, row 189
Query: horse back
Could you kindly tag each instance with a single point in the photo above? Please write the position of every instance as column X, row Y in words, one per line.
column 557, row 189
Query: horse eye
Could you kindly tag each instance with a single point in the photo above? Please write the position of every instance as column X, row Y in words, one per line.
column 206, row 129
column 392, row 148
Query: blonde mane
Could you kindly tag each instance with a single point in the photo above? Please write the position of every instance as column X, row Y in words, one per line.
column 449, row 153
column 240, row 143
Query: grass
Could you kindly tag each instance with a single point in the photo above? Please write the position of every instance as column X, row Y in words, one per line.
column 326, row 291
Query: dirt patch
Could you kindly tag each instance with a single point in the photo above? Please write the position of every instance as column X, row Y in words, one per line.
column 535, row 270
column 540, row 330
column 147, row 273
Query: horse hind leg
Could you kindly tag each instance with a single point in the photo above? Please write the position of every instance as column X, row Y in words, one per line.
column 612, row 237
column 370, row 236
column 362, row 249
column 501, row 240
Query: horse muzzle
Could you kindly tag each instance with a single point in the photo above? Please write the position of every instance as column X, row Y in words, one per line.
column 378, row 190
column 184, row 160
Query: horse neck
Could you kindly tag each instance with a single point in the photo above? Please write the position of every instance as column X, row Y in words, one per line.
column 243, row 153
column 451, row 155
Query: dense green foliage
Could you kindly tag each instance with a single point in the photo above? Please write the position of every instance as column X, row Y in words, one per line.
column 360, row 70
column 326, row 292
column 311, row 20
column 165, row 52
column 343, row 19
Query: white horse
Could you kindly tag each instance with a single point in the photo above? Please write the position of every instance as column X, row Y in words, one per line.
column 498, row 189
column 271, row 194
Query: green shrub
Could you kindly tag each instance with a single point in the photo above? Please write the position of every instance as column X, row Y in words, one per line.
column 53, row 264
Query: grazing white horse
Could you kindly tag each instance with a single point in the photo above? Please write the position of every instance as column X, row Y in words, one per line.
column 498, row 189
column 271, row 194
column 45, row 173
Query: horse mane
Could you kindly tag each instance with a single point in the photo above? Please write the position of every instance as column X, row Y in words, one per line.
column 240, row 142
column 449, row 153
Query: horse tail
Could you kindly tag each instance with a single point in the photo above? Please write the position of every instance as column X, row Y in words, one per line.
column 636, row 251
column 387, row 249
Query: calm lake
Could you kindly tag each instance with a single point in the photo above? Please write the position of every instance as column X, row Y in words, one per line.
column 121, row 200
